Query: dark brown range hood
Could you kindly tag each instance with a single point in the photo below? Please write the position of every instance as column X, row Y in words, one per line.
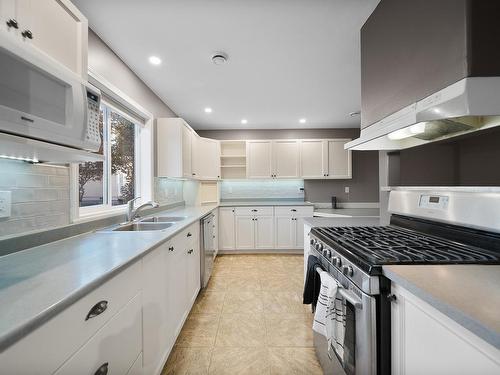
column 430, row 70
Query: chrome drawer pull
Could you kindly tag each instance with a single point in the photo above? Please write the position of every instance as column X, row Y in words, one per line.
column 190, row 251
column 103, row 370
column 97, row 309
column 293, row 210
column 189, row 234
column 254, row 210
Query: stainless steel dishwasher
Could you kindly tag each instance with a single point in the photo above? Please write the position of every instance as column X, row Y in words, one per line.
column 207, row 248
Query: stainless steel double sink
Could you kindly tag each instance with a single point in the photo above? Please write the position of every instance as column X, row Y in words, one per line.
column 148, row 224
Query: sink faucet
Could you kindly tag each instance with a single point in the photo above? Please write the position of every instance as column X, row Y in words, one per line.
column 132, row 213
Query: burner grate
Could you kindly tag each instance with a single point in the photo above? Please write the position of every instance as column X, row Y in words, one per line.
column 391, row 245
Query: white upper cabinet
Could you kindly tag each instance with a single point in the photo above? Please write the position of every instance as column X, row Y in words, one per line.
column 286, row 157
column 313, row 158
column 259, row 164
column 206, row 158
column 339, row 159
column 56, row 27
column 173, row 148
column 181, row 153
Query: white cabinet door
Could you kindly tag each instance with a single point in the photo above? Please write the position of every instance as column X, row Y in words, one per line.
column 259, row 159
column 176, row 286
column 58, row 29
column 339, row 159
column 245, row 232
column 313, row 158
column 264, row 232
column 187, row 140
column 425, row 341
column 226, row 228
column 192, row 274
column 155, row 312
column 284, row 232
column 286, row 156
column 299, row 232
column 207, row 158
column 8, row 13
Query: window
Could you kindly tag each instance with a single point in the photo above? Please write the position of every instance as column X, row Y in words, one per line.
column 112, row 182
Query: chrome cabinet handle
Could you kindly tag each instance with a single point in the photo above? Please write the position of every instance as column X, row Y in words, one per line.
column 189, row 234
column 103, row 370
column 27, row 34
column 97, row 309
column 12, row 23
column 392, row 298
column 293, row 210
column 171, row 248
column 190, row 251
column 254, row 210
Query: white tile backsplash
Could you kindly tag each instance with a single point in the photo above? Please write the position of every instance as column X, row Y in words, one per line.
column 262, row 189
column 167, row 191
column 40, row 196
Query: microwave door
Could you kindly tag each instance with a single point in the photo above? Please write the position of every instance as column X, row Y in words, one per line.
column 41, row 101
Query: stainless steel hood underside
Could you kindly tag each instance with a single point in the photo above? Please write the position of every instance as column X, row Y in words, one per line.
column 469, row 105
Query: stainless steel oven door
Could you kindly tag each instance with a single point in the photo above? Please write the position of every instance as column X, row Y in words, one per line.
column 360, row 351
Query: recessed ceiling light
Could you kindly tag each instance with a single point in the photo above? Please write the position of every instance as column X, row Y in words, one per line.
column 302, row 120
column 155, row 60
column 244, row 121
column 208, row 110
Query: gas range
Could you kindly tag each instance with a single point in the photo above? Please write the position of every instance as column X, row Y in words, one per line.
column 360, row 252
column 426, row 227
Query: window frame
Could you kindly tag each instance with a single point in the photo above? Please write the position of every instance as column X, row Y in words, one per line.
column 143, row 168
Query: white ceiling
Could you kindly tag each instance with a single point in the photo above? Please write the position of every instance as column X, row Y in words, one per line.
column 288, row 59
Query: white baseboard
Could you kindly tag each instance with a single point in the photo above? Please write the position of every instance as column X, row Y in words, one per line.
column 260, row 251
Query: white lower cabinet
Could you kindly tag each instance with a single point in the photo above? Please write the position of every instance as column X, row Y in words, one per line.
column 290, row 226
column 245, row 232
column 226, row 228
column 264, row 232
column 114, row 348
column 263, row 228
column 425, row 341
column 155, row 307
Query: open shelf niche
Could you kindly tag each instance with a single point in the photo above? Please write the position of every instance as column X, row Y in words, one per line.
column 233, row 159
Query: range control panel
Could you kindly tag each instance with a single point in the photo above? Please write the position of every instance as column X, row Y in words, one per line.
column 434, row 202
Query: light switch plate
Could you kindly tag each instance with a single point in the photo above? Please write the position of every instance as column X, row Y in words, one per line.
column 346, row 189
column 5, row 203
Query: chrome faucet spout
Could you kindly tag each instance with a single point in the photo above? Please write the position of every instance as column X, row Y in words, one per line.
column 133, row 213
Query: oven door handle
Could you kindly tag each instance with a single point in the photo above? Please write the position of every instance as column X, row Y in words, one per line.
column 350, row 297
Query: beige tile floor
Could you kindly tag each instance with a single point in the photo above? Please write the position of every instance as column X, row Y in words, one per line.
column 249, row 320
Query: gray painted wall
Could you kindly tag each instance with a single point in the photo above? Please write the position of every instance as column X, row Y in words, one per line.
column 364, row 186
column 465, row 161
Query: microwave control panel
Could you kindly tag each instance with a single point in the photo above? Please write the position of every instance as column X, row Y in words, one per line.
column 93, row 110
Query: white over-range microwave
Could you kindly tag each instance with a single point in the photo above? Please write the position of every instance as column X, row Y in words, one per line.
column 42, row 99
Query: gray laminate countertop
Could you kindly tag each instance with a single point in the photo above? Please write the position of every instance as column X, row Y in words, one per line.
column 37, row 283
column 265, row 202
column 351, row 212
column 468, row 294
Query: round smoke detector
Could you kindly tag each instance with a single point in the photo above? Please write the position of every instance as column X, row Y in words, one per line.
column 219, row 58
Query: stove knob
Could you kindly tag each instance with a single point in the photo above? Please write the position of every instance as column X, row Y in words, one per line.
column 311, row 241
column 347, row 270
column 319, row 246
column 327, row 253
column 337, row 261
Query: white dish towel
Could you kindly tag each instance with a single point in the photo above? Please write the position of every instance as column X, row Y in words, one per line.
column 330, row 315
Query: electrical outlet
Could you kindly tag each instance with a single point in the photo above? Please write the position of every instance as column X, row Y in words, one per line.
column 5, row 203
column 346, row 189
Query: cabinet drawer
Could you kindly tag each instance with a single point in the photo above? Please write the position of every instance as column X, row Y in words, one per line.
column 114, row 348
column 254, row 211
column 294, row 211
column 55, row 341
